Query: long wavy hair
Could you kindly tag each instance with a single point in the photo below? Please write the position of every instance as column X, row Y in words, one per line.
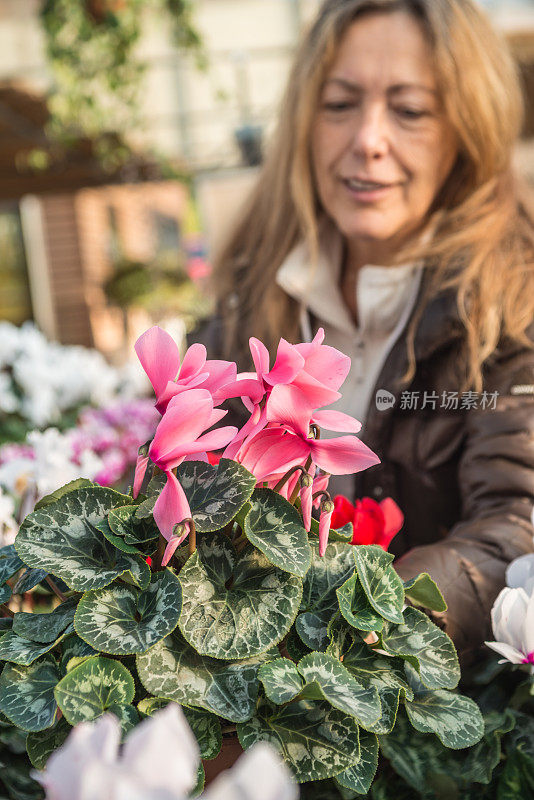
column 483, row 245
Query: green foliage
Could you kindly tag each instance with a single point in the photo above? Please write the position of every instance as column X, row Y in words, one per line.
column 252, row 629
column 241, row 620
column 97, row 75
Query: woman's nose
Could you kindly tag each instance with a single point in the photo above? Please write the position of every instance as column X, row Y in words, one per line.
column 371, row 134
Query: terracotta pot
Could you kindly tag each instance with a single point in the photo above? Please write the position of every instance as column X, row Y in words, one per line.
column 99, row 8
column 230, row 752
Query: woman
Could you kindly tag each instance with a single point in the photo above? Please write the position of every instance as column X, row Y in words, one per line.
column 387, row 212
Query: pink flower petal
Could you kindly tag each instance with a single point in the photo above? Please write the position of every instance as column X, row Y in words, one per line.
column 343, row 455
column 260, row 357
column 193, row 363
column 288, row 406
column 270, row 452
column 171, row 506
column 187, row 415
column 287, row 365
column 332, row 420
column 317, row 394
column 159, row 357
column 220, row 373
column 306, row 497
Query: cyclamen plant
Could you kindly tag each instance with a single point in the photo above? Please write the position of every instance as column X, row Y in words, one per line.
column 253, row 616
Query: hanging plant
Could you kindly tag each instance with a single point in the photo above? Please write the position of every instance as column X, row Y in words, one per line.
column 90, row 46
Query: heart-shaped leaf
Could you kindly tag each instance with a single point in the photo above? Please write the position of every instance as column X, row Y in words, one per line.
column 281, row 680
column 5, row 593
column 129, row 533
column 316, row 740
column 78, row 483
column 380, row 582
column 275, row 527
column 23, row 651
column 97, row 685
column 41, row 745
column 73, row 647
column 355, row 606
column 175, row 670
column 425, row 647
column 423, row 591
column 27, row 694
column 245, row 618
column 45, row 627
column 319, row 599
column 360, row 776
column 29, row 580
column 10, row 563
column 123, row 620
column 215, row 493
column 340, row 688
column 386, row 675
column 456, row 720
column 62, row 539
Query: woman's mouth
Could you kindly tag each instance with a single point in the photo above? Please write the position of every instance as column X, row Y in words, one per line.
column 367, row 190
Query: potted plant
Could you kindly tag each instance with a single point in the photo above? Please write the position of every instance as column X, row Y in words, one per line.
column 216, row 589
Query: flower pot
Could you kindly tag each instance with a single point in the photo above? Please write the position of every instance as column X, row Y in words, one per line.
column 230, row 752
column 99, row 8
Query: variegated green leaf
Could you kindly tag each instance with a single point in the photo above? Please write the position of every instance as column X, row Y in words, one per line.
column 175, row 670
column 205, row 726
column 379, row 580
column 360, row 776
column 5, row 593
column 41, row 745
column 281, row 680
column 319, row 599
column 122, row 620
column 29, row 580
column 45, row 627
column 10, row 562
column 340, row 688
column 340, row 636
column 62, row 538
column 355, row 606
column 456, row 720
column 23, row 651
column 248, row 618
column 316, row 740
column 275, row 527
column 78, row 483
column 386, row 675
column 343, row 534
column 425, row 647
column 129, row 533
column 127, row 715
column 73, row 647
column 92, row 688
column 215, row 494
column 27, row 694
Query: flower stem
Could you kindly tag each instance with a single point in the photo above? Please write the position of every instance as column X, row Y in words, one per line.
column 192, row 537
column 55, row 588
column 158, row 558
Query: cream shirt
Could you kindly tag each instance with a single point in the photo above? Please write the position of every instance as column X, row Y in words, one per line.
column 385, row 297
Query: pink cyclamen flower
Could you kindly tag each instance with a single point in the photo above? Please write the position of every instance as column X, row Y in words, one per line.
column 512, row 620
column 285, row 442
column 160, row 358
column 180, row 434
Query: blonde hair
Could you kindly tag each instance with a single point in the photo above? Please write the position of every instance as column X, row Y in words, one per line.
column 484, row 242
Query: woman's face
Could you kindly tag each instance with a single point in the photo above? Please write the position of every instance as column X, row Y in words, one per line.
column 381, row 144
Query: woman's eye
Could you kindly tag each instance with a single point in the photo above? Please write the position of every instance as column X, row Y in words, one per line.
column 337, row 105
column 410, row 113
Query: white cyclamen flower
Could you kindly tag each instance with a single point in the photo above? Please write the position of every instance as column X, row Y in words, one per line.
column 520, row 573
column 512, row 620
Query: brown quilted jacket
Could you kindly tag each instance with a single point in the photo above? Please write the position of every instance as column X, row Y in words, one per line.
column 464, row 477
